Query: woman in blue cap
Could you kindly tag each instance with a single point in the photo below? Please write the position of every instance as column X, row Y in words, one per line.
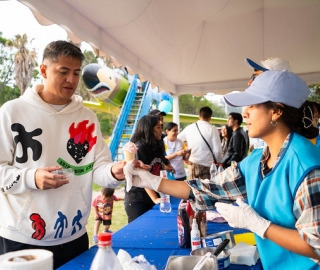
column 281, row 182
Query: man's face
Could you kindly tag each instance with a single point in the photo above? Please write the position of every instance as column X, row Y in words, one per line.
column 254, row 75
column 61, row 79
column 231, row 122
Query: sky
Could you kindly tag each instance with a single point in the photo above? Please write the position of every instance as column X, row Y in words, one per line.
column 16, row 18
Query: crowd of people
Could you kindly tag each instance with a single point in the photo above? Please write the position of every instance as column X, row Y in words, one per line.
column 276, row 186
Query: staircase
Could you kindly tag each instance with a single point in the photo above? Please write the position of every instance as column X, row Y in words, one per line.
column 127, row 120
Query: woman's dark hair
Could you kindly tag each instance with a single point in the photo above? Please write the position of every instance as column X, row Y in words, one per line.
column 170, row 126
column 144, row 131
column 299, row 120
column 229, row 133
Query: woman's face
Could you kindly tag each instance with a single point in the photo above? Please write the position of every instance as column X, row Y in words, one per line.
column 224, row 132
column 157, row 131
column 258, row 120
column 172, row 134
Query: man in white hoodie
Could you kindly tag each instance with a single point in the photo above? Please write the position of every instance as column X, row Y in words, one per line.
column 48, row 129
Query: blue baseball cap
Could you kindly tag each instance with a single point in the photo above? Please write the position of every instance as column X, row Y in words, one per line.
column 277, row 86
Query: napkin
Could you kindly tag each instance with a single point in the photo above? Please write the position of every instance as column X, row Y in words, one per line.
column 135, row 263
column 127, row 170
column 243, row 253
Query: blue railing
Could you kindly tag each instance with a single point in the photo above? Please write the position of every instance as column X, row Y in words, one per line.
column 141, row 106
column 122, row 119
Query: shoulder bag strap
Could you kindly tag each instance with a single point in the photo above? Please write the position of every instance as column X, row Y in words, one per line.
column 206, row 144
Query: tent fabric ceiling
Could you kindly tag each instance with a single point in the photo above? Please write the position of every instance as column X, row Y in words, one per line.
column 193, row 47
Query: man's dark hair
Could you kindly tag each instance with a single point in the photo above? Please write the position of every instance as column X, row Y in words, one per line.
column 236, row 116
column 61, row 48
column 205, row 112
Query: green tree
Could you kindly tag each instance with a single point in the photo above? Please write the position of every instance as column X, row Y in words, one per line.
column 191, row 105
column 8, row 90
column 24, row 61
column 107, row 122
column 315, row 93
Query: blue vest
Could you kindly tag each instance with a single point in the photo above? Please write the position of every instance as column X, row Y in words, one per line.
column 273, row 197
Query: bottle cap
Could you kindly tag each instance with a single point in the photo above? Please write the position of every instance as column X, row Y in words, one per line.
column 104, row 237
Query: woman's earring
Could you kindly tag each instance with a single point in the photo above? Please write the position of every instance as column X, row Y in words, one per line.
column 274, row 123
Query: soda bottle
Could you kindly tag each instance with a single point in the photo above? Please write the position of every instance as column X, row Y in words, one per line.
column 105, row 258
column 213, row 170
column 220, row 169
column 165, row 205
column 183, row 226
column 201, row 218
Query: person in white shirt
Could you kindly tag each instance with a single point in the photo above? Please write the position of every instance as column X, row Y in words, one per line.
column 175, row 150
column 204, row 141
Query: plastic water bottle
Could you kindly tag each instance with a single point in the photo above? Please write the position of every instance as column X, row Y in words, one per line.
column 105, row 258
column 165, row 205
column 213, row 170
column 220, row 169
column 195, row 235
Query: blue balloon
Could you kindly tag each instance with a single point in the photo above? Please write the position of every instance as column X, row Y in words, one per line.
column 165, row 106
column 162, row 94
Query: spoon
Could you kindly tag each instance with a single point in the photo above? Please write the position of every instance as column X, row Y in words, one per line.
column 221, row 247
column 202, row 261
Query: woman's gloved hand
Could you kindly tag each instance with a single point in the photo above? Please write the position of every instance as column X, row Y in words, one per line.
column 140, row 178
column 243, row 216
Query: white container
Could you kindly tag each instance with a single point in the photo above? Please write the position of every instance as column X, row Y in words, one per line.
column 223, row 258
column 213, row 240
column 189, row 262
column 195, row 236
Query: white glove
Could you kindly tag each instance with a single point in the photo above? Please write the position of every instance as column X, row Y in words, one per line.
column 140, row 178
column 243, row 216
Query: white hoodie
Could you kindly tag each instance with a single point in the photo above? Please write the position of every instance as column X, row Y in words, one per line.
column 33, row 135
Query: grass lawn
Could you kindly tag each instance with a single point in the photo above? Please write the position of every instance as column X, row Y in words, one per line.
column 119, row 217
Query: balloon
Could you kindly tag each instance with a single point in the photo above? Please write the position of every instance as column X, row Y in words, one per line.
column 165, row 106
column 162, row 94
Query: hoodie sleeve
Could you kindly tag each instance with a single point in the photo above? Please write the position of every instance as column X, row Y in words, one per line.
column 13, row 180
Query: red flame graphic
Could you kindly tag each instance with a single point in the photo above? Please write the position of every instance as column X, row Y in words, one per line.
column 81, row 133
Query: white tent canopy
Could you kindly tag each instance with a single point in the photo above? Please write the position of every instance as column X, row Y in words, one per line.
column 193, row 46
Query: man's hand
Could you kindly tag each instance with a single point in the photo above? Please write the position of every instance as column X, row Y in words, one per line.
column 243, row 216
column 117, row 169
column 138, row 177
column 45, row 179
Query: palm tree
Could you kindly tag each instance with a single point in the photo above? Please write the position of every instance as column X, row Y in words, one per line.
column 24, row 61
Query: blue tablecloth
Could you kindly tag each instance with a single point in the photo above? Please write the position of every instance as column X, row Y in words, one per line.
column 155, row 236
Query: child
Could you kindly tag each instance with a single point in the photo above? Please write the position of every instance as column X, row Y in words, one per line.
column 103, row 205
